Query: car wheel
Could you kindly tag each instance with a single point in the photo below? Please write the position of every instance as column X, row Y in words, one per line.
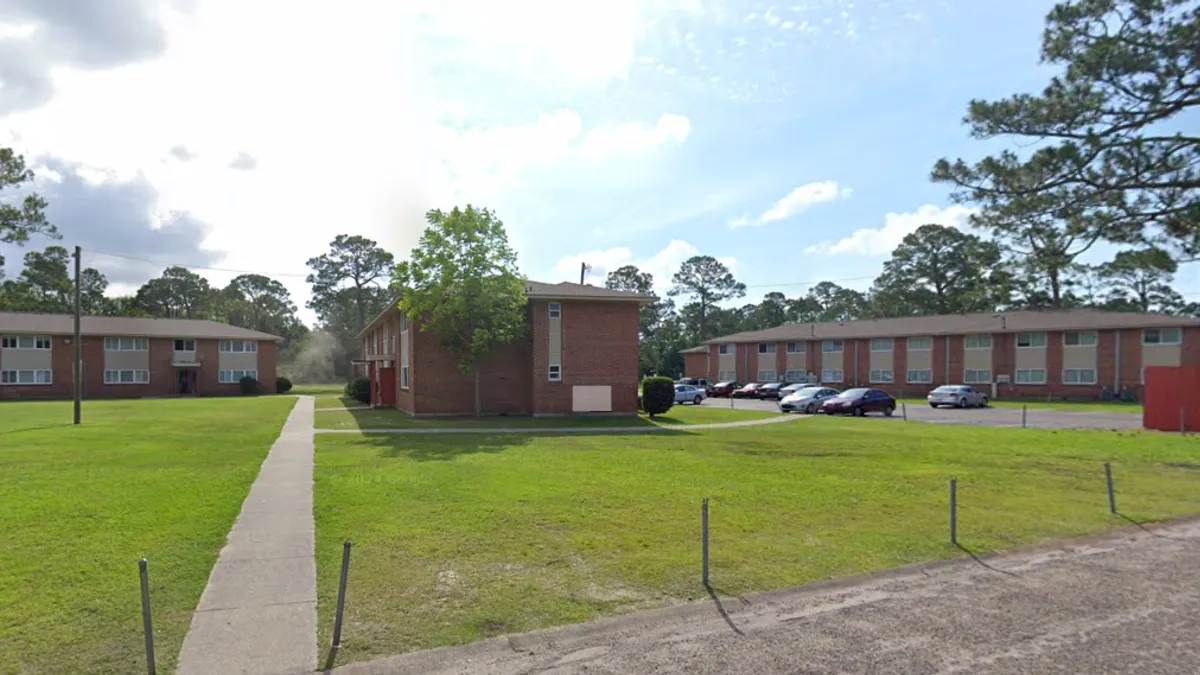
column 962, row 402
column 889, row 410
column 697, row 400
column 933, row 405
column 983, row 402
column 859, row 412
column 810, row 409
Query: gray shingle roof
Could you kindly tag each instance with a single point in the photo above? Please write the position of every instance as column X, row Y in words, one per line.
column 569, row 291
column 957, row 324
column 694, row 350
column 64, row 324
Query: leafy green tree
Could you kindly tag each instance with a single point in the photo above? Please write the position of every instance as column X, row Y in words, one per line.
column 19, row 221
column 710, row 282
column 1116, row 147
column 1141, row 281
column 462, row 284
column 803, row 309
column 260, row 303
column 652, row 315
column 337, row 318
column 45, row 285
column 178, row 294
column 838, row 303
column 941, row 270
column 353, row 262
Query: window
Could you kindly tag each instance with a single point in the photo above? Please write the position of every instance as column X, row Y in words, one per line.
column 25, row 377
column 978, row 342
column 556, row 373
column 555, row 310
column 404, row 377
column 766, row 376
column 1080, row 338
column 795, row 347
column 1031, row 376
column 185, row 345
column 1079, row 376
column 727, row 375
column 832, row 347
column 126, row 344
column 880, row 376
column 881, row 345
column 920, row 376
column 234, row 376
column 920, row 344
column 724, row 349
column 1162, row 336
column 126, row 376
column 403, row 323
column 831, row 376
column 1031, row 340
column 977, row 376
column 794, row 375
column 26, row 342
column 766, row 348
column 239, row 346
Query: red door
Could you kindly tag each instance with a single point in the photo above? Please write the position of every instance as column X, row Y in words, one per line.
column 387, row 387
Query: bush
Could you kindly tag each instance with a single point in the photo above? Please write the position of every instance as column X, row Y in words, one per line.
column 249, row 385
column 359, row 389
column 282, row 385
column 658, row 395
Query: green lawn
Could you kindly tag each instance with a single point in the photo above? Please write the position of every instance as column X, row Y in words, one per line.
column 160, row 479
column 680, row 415
column 460, row 537
column 1066, row 406
column 337, row 402
column 318, row 389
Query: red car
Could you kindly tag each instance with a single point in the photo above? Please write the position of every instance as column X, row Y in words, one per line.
column 747, row 391
column 725, row 388
column 859, row 402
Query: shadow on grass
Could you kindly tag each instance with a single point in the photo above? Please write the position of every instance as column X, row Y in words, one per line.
column 1141, row 525
column 367, row 419
column 714, row 593
column 983, row 563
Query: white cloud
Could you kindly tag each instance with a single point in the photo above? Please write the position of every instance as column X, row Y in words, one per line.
column 633, row 138
column 882, row 241
column 796, row 202
column 662, row 265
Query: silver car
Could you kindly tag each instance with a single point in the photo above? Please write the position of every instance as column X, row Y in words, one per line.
column 686, row 393
column 806, row 399
column 957, row 396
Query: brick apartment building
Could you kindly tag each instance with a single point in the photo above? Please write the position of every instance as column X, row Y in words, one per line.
column 130, row 357
column 579, row 355
column 1063, row 354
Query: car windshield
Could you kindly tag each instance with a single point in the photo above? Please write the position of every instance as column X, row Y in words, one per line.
column 855, row 393
column 680, row 387
column 724, row 384
column 772, row 386
column 750, row 386
column 945, row 389
column 807, row 391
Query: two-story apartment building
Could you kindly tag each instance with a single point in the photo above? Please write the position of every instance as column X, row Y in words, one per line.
column 130, row 357
column 579, row 355
column 1064, row 354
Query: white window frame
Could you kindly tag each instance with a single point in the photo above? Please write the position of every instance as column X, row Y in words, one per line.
column 881, row 376
column 12, row 377
column 1032, row 339
column 116, row 376
column 32, row 342
column 1078, row 379
column 723, row 350
column 126, row 344
column 234, row 376
column 1178, row 332
column 185, row 341
column 767, row 376
column 404, row 377
column 795, row 375
column 977, row 379
column 920, row 348
column 555, row 310
column 1079, row 334
column 977, row 337
column 891, row 344
column 796, row 347
column 832, row 375
column 247, row 347
column 827, row 347
column 767, row 347
column 919, row 379
column 727, row 376
column 1030, row 377
column 554, row 373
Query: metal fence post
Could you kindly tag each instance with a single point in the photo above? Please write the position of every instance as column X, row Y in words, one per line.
column 904, row 410
column 704, row 537
column 1112, row 495
column 954, row 511
column 147, row 625
column 1182, row 420
column 341, row 605
column 1024, row 412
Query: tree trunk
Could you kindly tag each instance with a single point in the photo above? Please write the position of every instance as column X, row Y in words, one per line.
column 1055, row 289
column 478, row 395
column 358, row 302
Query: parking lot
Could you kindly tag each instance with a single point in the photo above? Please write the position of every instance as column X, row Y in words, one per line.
column 1037, row 418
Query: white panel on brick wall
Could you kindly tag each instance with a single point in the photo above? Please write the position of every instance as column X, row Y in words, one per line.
column 591, row 399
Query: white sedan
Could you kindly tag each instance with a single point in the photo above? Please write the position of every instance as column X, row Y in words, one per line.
column 686, row 393
column 958, row 396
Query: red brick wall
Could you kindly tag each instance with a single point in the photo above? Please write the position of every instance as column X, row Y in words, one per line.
column 742, row 359
column 957, row 361
column 438, row 387
column 900, row 369
column 696, row 365
column 599, row 348
column 863, row 369
column 1191, row 347
column 812, row 357
column 1131, row 359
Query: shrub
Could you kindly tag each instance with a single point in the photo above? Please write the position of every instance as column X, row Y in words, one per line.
column 359, row 389
column 658, row 395
column 282, row 385
column 249, row 385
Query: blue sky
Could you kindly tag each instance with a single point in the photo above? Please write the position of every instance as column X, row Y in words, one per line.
column 793, row 140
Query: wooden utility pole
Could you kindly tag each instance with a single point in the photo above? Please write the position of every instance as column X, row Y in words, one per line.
column 78, row 343
column 583, row 269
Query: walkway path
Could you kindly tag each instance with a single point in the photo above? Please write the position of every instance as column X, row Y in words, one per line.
column 569, row 430
column 258, row 613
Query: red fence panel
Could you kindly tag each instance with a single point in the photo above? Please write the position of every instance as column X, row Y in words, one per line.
column 1171, row 398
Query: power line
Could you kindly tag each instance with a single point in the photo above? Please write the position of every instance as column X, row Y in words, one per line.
column 200, row 267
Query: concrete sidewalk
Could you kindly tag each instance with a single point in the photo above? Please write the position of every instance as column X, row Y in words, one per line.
column 1123, row 602
column 258, row 613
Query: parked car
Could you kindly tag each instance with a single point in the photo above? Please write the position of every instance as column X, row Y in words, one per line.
column 685, row 393
column 770, row 391
column 789, row 389
column 807, row 399
column 694, row 381
column 725, row 388
column 859, row 402
column 746, row 391
column 958, row 396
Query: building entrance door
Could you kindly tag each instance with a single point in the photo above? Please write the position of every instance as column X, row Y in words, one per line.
column 185, row 381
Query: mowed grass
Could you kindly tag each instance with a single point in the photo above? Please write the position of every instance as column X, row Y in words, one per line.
column 1062, row 406
column 318, row 389
column 160, row 479
column 679, row 415
column 461, row 537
